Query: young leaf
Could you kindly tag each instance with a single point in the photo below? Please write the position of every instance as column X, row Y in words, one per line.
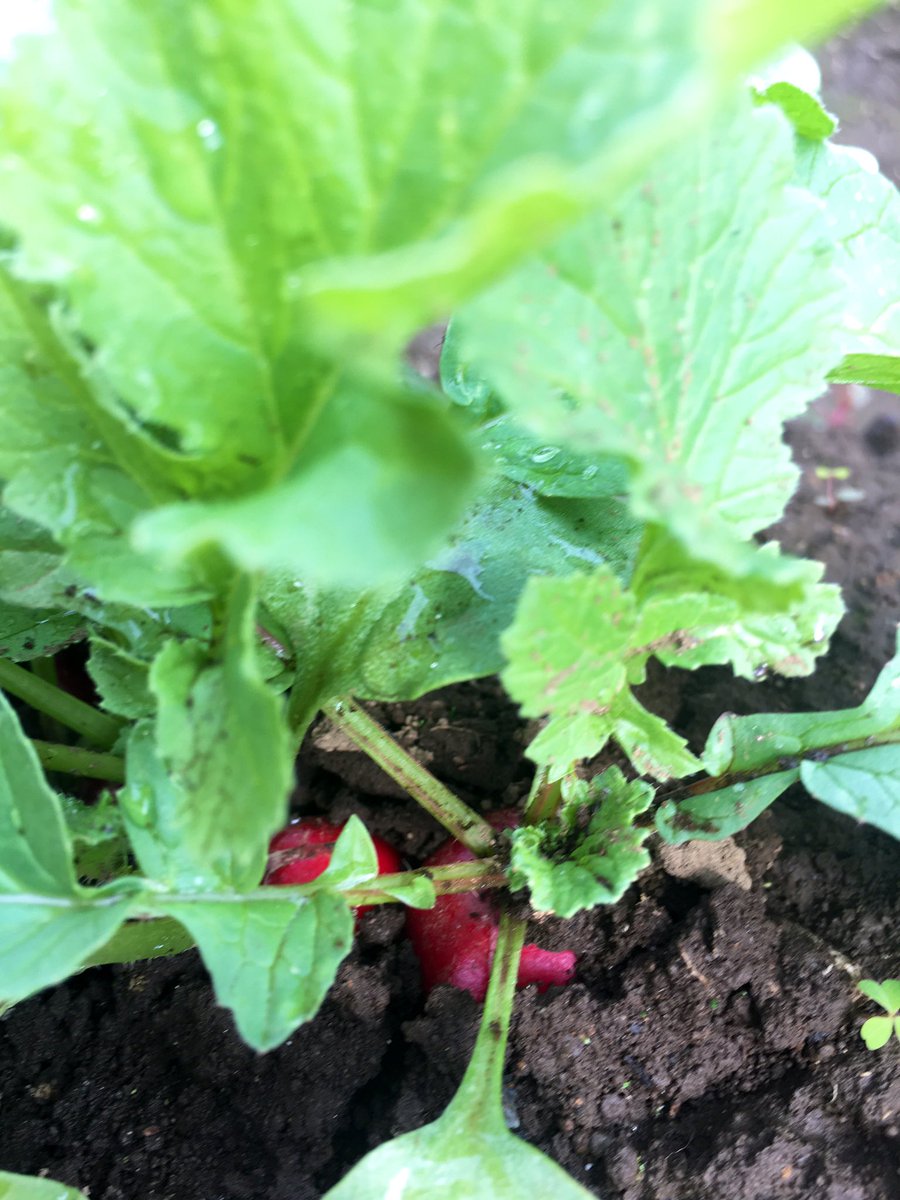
column 887, row 994
column 48, row 924
column 271, row 959
column 805, row 112
column 73, row 466
column 121, row 678
column 29, row 1187
column 876, row 1032
column 569, row 866
column 680, row 332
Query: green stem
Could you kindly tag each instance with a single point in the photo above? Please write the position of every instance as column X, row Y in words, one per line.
column 74, row 760
column 461, row 821
column 451, row 880
column 99, row 728
column 479, row 1100
column 544, row 798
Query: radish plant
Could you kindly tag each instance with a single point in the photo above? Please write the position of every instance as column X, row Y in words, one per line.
column 221, row 223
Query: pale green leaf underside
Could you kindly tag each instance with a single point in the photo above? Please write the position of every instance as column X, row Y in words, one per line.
column 271, row 960
column 680, row 332
column 463, row 1161
column 27, row 1187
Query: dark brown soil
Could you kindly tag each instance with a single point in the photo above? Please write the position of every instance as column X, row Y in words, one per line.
column 709, row 1048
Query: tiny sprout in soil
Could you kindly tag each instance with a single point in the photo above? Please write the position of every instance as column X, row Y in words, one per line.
column 230, row 507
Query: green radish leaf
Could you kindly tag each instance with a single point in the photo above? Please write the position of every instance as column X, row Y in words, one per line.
column 805, row 112
column 353, row 860
column 73, row 466
column 444, row 624
column 48, row 924
column 415, row 891
column 207, row 786
column 738, row 744
column 876, row 1032
column 711, row 816
column 271, row 959
column 568, row 867
column 459, row 1159
column 865, row 784
column 887, row 993
column 680, row 331
column 28, row 1187
column 880, row 371
column 862, row 211
column 573, row 651
column 160, row 937
column 27, row 633
column 344, row 516
column 121, row 678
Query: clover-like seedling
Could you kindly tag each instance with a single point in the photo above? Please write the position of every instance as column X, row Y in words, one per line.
column 876, row 1032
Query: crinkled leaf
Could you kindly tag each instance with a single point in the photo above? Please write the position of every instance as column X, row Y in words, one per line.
column 572, row 652
column 865, row 784
column 444, row 624
column 28, row 1187
column 570, row 865
column 743, row 627
column 713, row 815
column 680, row 332
column 271, row 960
column 876, row 1032
column 207, row 787
column 737, row 744
column 887, row 993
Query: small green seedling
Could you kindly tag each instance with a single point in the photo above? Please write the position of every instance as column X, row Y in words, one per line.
column 876, row 1032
